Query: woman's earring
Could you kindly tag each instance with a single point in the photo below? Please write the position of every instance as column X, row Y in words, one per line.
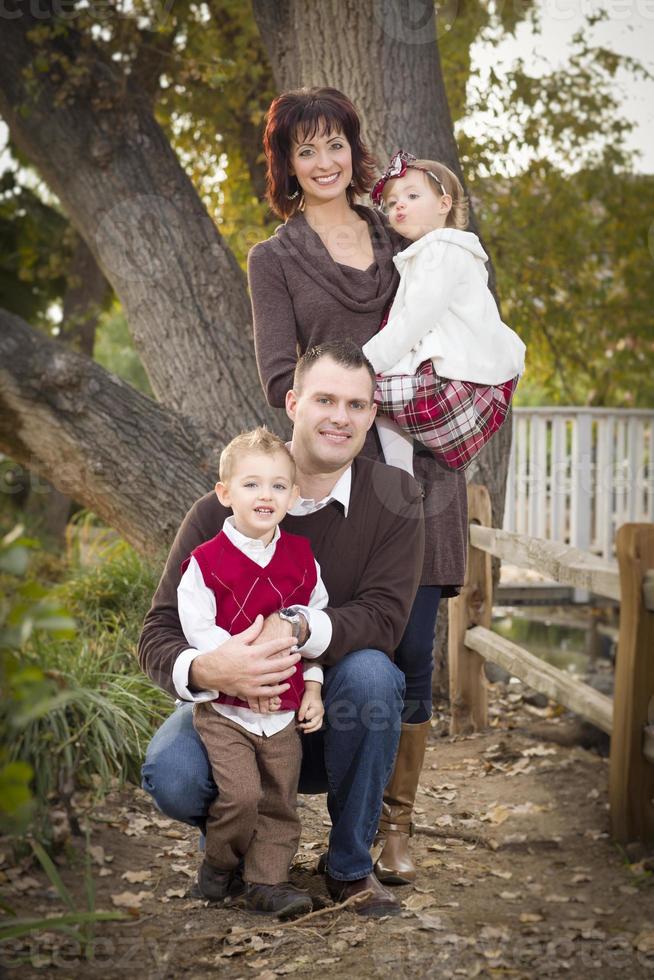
column 291, row 197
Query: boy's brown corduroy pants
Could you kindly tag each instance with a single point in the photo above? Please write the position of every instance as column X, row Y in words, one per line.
column 254, row 815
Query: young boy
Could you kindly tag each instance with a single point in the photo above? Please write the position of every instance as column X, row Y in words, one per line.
column 252, row 568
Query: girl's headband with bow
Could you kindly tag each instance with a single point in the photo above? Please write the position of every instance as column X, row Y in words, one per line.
column 398, row 166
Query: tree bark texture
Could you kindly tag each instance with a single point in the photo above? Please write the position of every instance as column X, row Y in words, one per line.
column 384, row 55
column 86, row 293
column 100, row 150
column 137, row 465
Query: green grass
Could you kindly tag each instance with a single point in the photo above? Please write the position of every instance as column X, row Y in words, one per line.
column 95, row 711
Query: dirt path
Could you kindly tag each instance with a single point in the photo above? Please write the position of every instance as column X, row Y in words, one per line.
column 518, row 878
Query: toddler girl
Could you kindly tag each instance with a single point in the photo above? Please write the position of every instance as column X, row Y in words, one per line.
column 446, row 364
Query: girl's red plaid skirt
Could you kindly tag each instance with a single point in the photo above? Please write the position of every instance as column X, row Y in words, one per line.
column 454, row 419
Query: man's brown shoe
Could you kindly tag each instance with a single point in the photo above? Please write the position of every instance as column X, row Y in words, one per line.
column 380, row 902
column 283, row 900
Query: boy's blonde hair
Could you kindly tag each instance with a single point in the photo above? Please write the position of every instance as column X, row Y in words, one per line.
column 458, row 214
column 258, row 440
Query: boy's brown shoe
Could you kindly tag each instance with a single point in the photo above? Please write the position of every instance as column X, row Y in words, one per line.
column 216, row 885
column 283, row 900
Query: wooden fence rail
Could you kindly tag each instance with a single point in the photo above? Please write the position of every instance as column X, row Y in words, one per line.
column 628, row 717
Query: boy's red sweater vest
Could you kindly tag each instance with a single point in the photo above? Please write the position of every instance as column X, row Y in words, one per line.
column 243, row 590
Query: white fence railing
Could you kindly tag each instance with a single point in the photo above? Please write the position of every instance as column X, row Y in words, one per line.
column 576, row 474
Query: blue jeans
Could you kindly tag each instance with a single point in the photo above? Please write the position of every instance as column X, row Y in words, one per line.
column 351, row 759
column 414, row 656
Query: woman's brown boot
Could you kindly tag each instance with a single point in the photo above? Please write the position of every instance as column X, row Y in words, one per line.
column 394, row 865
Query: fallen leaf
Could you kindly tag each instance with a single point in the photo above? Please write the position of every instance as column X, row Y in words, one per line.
column 184, row 869
column 539, row 750
column 557, row 899
column 130, row 900
column 523, row 766
column 430, row 923
column 644, row 942
column 26, row 884
column 530, row 917
column 445, row 820
column 495, row 934
column 415, row 902
column 176, row 893
column 96, row 853
column 161, row 822
column 104, row 872
column 136, row 877
column 525, row 809
column 497, row 814
column 510, row 896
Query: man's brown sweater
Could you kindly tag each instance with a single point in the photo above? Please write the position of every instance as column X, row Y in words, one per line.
column 301, row 297
column 370, row 563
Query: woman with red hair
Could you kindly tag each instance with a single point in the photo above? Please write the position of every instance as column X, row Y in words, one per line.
column 328, row 274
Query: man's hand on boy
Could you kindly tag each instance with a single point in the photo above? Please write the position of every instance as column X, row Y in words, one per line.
column 274, row 628
column 246, row 666
column 312, row 710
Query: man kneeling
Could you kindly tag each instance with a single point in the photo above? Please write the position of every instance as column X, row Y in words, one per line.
column 365, row 525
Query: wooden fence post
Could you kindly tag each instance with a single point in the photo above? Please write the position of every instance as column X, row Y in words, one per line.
column 468, row 690
column 631, row 776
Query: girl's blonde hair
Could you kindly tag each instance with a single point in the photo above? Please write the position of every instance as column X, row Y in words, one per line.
column 458, row 214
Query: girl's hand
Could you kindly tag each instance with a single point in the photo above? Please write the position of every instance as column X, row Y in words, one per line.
column 312, row 710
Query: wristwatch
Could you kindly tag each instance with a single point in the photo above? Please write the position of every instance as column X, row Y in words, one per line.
column 296, row 620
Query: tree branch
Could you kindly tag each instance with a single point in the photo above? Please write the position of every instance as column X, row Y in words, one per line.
column 96, row 143
column 137, row 465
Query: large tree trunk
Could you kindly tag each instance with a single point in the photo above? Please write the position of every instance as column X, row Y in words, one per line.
column 137, row 465
column 384, row 55
column 98, row 147
column 85, row 295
